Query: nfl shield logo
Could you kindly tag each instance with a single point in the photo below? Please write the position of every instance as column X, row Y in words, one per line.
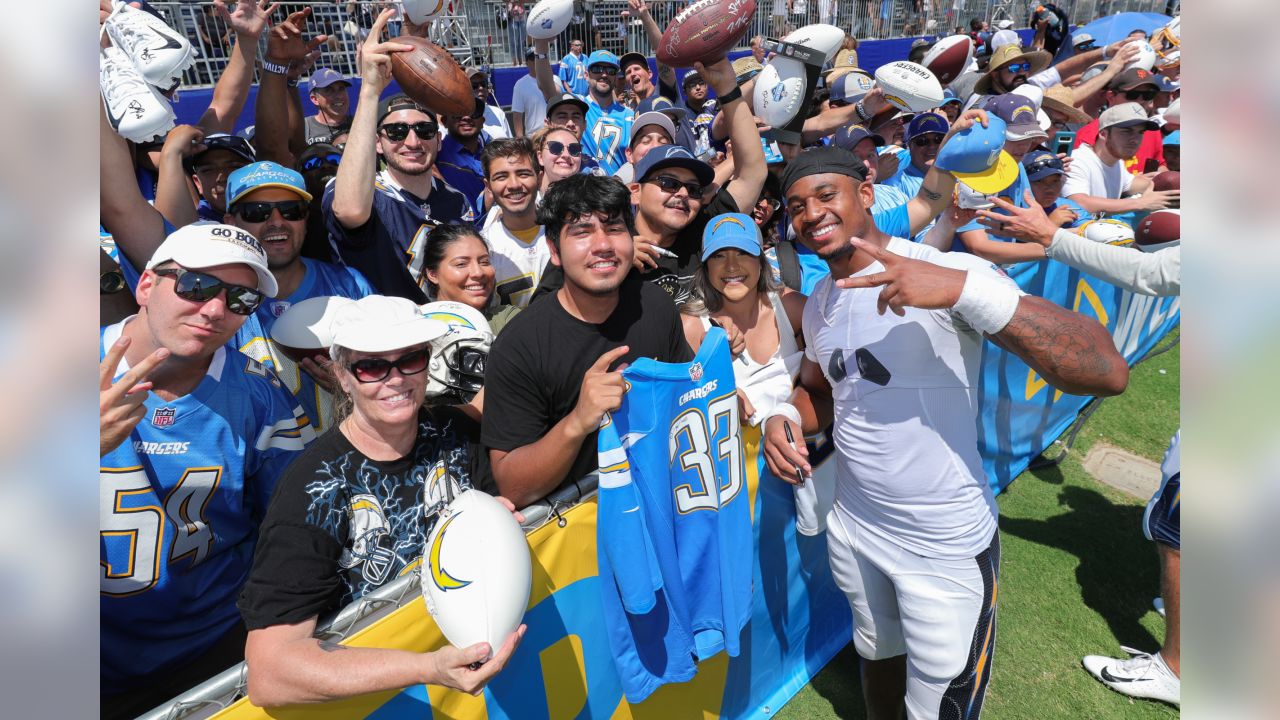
column 163, row 417
column 695, row 372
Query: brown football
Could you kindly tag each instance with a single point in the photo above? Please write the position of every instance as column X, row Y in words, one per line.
column 430, row 75
column 704, row 31
column 1161, row 226
column 1168, row 180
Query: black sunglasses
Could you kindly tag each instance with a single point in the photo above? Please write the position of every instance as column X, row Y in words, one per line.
column 111, row 282
column 603, row 70
column 200, row 288
column 926, row 140
column 399, row 131
column 317, row 161
column 256, row 212
column 555, row 147
column 375, row 369
column 672, row 186
column 1140, row 94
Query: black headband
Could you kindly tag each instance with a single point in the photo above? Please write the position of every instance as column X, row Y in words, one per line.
column 820, row 160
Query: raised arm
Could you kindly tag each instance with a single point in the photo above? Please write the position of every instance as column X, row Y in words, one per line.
column 1085, row 90
column 542, row 70
column 232, row 89
column 173, row 186
column 936, row 191
column 137, row 227
column 750, row 169
column 286, row 47
column 640, row 9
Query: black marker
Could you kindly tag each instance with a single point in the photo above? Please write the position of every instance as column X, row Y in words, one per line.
column 792, row 439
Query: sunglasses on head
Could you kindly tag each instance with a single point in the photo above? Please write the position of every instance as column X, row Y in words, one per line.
column 371, row 370
column 1044, row 162
column 671, row 185
column 1140, row 95
column 399, row 131
column 256, row 212
column 555, row 147
column 201, row 288
column 926, row 140
column 1016, row 68
column 317, row 161
column 603, row 70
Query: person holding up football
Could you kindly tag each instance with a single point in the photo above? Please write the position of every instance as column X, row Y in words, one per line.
column 353, row 512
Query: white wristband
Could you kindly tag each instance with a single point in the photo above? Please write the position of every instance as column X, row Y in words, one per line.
column 786, row 410
column 986, row 303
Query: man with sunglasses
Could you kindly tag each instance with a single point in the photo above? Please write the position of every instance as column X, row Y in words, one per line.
column 318, row 165
column 379, row 221
column 206, row 161
column 184, row 493
column 1098, row 179
column 517, row 248
column 607, row 121
column 271, row 203
column 495, row 120
column 459, row 158
column 1134, row 85
column 924, row 136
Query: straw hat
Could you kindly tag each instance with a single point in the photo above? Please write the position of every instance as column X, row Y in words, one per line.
column 1005, row 55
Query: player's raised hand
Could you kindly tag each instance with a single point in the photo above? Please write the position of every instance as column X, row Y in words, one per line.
column 783, row 455
column 120, row 403
column 1029, row 224
column 907, row 282
column 457, row 667
column 601, row 392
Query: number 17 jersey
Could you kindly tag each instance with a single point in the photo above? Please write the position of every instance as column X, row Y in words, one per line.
column 674, row 542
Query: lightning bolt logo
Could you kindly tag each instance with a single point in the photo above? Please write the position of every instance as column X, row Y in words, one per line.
column 439, row 575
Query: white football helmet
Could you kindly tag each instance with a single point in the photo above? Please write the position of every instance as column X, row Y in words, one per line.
column 458, row 358
column 1107, row 230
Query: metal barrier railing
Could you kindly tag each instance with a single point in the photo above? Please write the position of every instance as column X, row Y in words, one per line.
column 481, row 32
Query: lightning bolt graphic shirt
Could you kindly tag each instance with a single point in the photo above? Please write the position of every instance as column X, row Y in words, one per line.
column 341, row 525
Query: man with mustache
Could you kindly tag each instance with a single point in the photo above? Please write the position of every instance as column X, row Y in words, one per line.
column 517, row 248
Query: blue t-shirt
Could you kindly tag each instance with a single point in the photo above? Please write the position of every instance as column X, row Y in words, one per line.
column 573, row 71
column 463, row 170
column 1082, row 216
column 180, row 504
column 674, row 534
column 608, row 130
column 389, row 248
column 908, row 179
column 253, row 339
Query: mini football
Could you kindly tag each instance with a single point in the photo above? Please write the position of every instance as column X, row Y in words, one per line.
column 303, row 330
column 780, row 91
column 908, row 86
column 1159, row 230
column 476, row 572
column 824, row 38
column 949, row 57
column 549, row 18
column 705, row 31
column 1146, row 56
column 430, row 75
column 1167, row 180
column 420, row 11
column 1107, row 230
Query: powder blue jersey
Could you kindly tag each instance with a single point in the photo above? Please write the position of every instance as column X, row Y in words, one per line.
column 607, row 133
column 253, row 339
column 674, row 538
column 179, row 507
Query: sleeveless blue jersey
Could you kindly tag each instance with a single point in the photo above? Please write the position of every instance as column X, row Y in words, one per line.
column 675, row 537
column 180, row 501
column 254, row 336
column 607, row 133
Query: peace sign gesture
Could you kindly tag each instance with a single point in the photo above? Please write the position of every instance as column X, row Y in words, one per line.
column 907, row 282
column 120, row 404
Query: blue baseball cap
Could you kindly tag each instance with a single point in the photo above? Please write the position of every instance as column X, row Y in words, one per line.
column 1173, row 138
column 926, row 123
column 849, row 136
column 1164, row 84
column 602, row 57
column 673, row 156
column 949, row 96
column 1040, row 164
column 264, row 174
column 323, row 78
column 731, row 230
column 976, row 157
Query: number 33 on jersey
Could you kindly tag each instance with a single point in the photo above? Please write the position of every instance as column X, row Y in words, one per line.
column 674, row 539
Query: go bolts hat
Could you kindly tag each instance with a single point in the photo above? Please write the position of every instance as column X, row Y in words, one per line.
column 731, row 230
column 378, row 323
column 673, row 156
column 264, row 174
column 976, row 157
column 207, row 245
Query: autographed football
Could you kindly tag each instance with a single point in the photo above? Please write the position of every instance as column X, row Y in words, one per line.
column 1167, row 180
column 780, row 91
column 1160, row 229
column 1107, row 230
column 430, row 75
column 476, row 573
column 304, row 331
column 909, row 86
column 549, row 18
column 949, row 57
column 420, row 11
column 705, row 31
column 819, row 36
column 1146, row 56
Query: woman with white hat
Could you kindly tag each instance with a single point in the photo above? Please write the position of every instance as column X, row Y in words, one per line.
column 353, row 513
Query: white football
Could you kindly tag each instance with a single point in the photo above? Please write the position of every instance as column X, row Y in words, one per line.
column 819, row 36
column 780, row 91
column 549, row 18
column 1146, row 56
column 908, row 86
column 420, row 11
column 1108, row 231
column 476, row 574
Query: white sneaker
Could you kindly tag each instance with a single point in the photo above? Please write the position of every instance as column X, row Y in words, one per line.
column 158, row 51
column 135, row 109
column 1141, row 676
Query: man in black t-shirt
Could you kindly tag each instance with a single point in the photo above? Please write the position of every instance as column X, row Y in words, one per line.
column 555, row 370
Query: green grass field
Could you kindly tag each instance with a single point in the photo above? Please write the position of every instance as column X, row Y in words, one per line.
column 1077, row 577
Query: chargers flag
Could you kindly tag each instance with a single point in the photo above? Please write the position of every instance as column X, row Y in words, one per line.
column 674, row 537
